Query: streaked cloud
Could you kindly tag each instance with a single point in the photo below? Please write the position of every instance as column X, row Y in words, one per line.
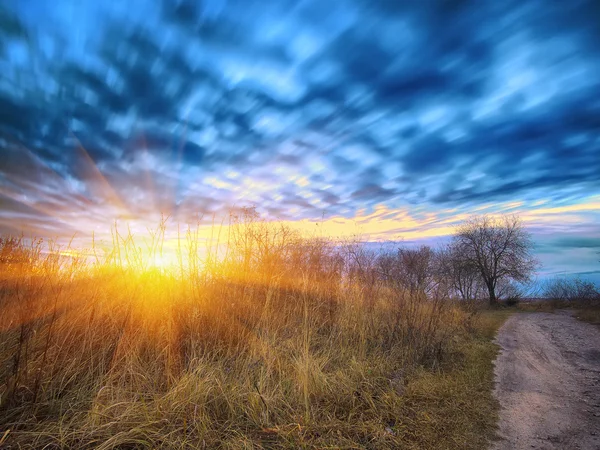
column 396, row 120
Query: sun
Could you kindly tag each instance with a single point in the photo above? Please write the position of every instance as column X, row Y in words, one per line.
column 158, row 262
column 162, row 262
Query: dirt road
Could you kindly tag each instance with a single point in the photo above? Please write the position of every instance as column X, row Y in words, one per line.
column 548, row 383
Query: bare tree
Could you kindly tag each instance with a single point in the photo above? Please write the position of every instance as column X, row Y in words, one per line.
column 409, row 269
column 417, row 269
column 500, row 249
column 460, row 273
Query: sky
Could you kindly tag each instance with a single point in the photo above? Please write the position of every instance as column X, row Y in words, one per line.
column 396, row 120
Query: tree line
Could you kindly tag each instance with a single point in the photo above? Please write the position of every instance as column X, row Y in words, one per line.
column 487, row 257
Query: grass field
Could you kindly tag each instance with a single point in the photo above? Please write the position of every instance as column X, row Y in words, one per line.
column 283, row 342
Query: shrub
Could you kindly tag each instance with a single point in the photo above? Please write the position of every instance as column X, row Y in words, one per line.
column 571, row 289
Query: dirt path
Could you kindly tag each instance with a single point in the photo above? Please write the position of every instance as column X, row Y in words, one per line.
column 548, row 383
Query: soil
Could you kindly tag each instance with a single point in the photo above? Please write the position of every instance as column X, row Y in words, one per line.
column 548, row 382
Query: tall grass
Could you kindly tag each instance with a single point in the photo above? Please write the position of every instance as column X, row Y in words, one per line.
column 267, row 339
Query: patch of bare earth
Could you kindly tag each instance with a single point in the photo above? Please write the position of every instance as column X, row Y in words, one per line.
column 548, row 383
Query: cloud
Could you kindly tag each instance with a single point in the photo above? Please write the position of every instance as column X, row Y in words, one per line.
column 303, row 109
column 578, row 242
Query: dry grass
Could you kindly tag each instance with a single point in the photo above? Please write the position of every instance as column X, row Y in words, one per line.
column 589, row 313
column 586, row 310
column 269, row 345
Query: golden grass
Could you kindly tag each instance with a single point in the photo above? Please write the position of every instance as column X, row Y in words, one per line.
column 270, row 346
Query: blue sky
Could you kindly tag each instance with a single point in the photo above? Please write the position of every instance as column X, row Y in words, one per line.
column 395, row 119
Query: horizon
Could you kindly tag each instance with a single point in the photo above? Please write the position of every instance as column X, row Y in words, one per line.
column 365, row 118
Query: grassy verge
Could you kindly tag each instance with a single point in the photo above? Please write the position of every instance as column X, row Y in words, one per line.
column 588, row 311
column 589, row 314
column 455, row 407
